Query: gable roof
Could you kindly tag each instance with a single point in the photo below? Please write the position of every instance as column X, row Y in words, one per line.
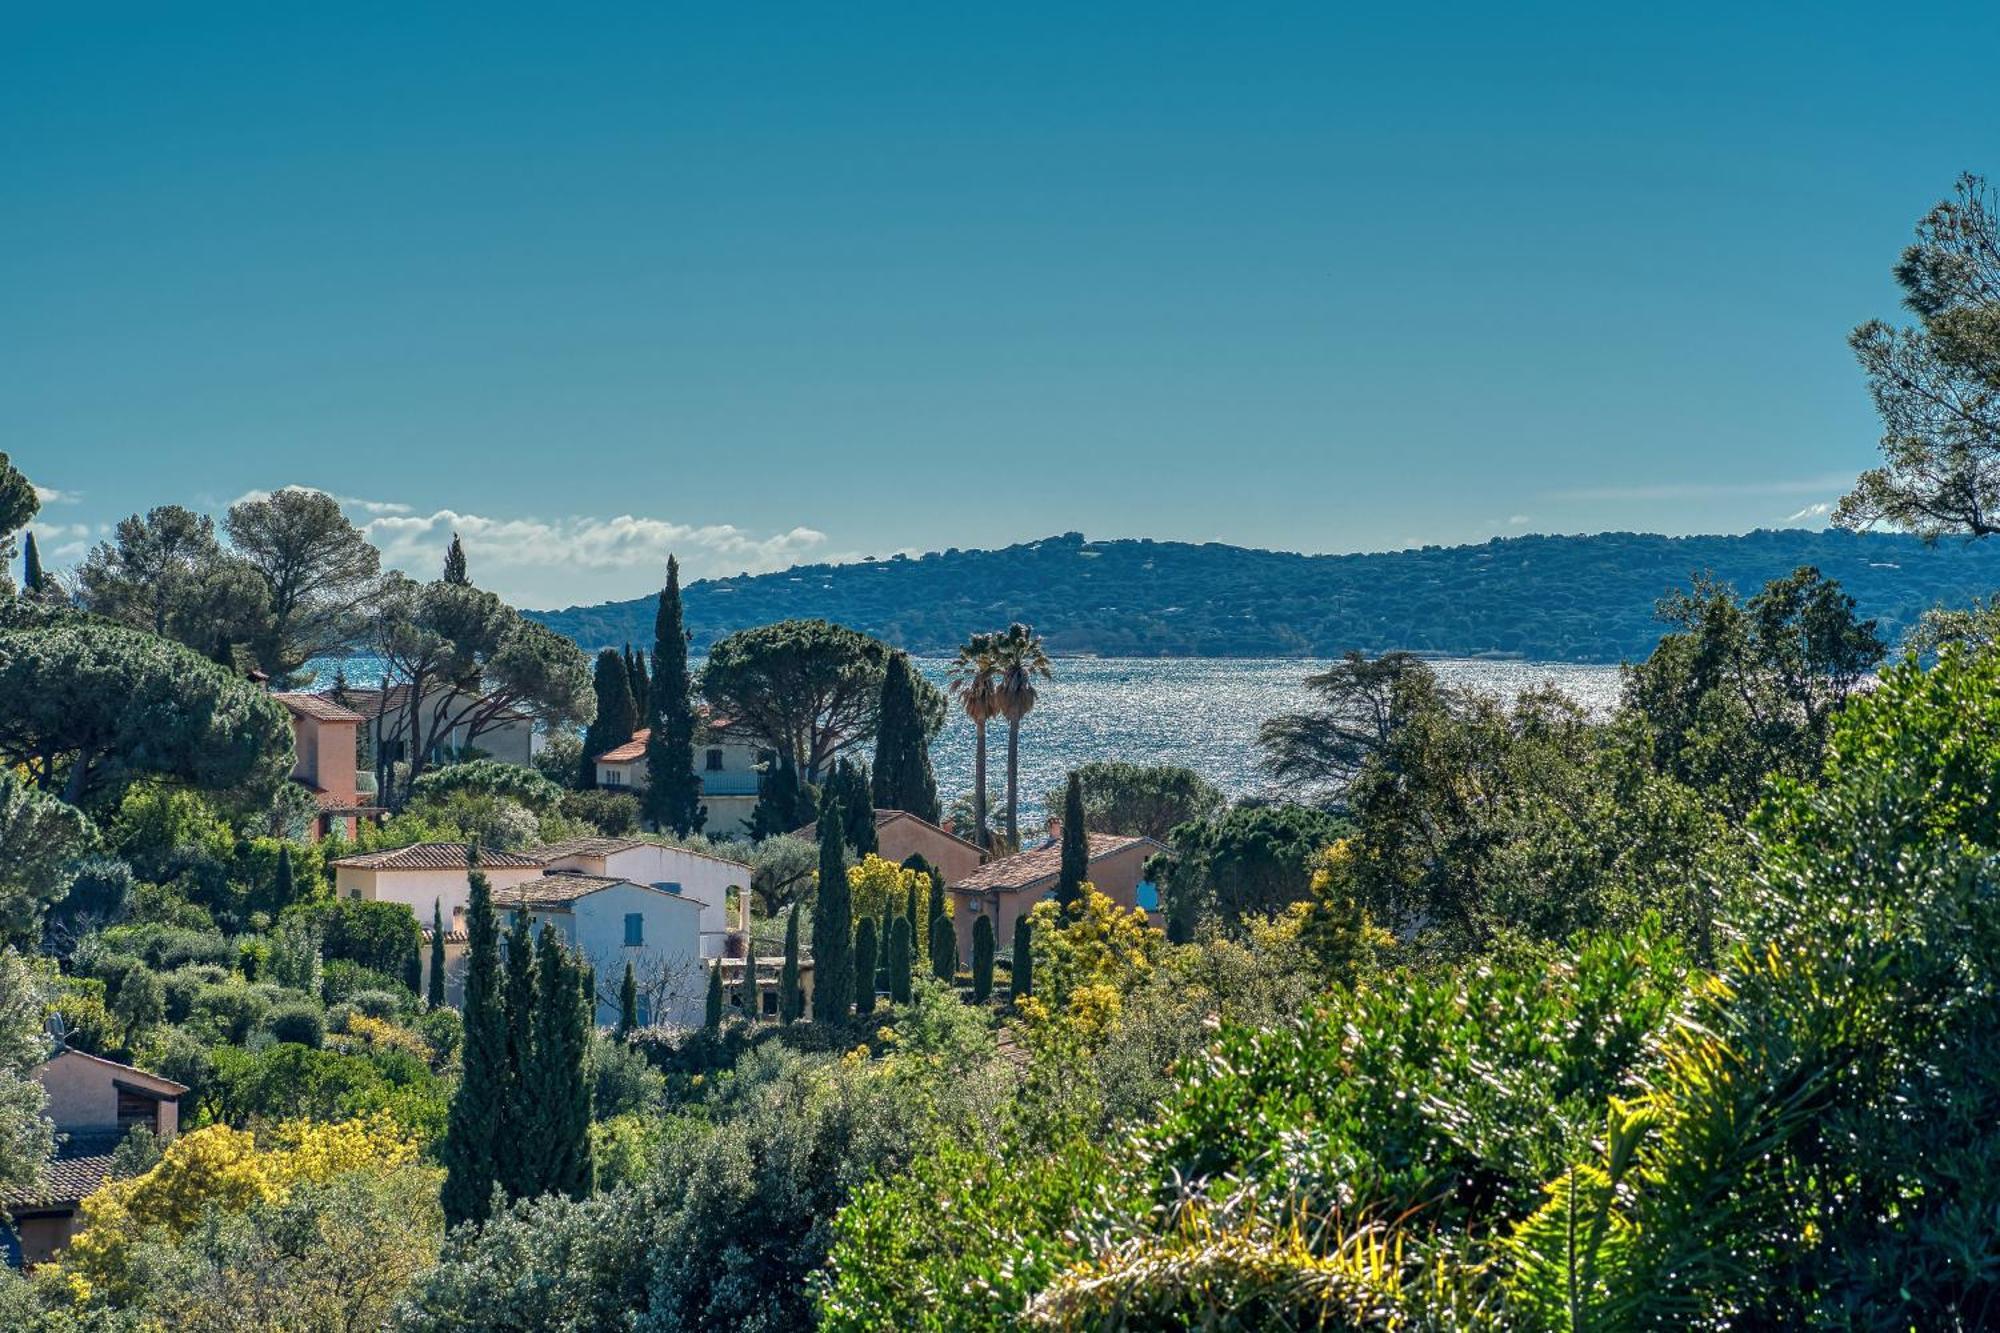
column 64, row 1180
column 315, row 706
column 433, row 856
column 630, row 750
column 602, row 846
column 164, row 1087
column 557, row 890
column 886, row 817
column 1025, row 870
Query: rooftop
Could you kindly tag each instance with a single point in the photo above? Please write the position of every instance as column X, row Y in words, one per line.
column 560, row 888
column 66, row 1180
column 434, row 856
column 1025, row 870
column 882, row 817
column 316, row 706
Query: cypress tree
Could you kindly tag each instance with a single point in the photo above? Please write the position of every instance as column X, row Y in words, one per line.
column 33, row 581
column 910, row 915
column 642, row 687
column 454, row 563
column 628, row 1004
column 752, row 1010
column 436, row 996
column 523, row 1118
column 473, row 1127
column 777, row 808
column 903, row 778
column 413, row 967
column 791, row 1001
column 982, row 958
column 1075, row 847
column 882, row 929
column 944, row 948
column 848, row 787
column 1024, row 956
column 935, row 908
column 286, row 888
column 711, row 1017
column 616, row 717
column 833, row 922
column 673, row 796
column 864, row 967
column 556, row 1149
column 900, row 962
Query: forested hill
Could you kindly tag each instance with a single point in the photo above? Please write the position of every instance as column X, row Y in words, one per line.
column 1584, row 599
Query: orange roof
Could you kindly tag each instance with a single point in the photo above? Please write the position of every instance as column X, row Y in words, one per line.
column 1026, row 870
column 630, row 750
column 811, row 831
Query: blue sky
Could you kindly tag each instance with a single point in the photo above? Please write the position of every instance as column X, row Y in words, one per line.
column 763, row 283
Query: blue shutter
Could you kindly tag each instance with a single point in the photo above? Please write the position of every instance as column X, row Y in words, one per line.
column 635, row 929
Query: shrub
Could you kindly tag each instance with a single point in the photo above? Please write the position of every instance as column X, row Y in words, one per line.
column 342, row 980
column 378, row 1003
column 612, row 813
column 232, row 1012
column 380, row 936
column 166, row 947
column 444, row 1030
column 181, row 988
column 299, row 1023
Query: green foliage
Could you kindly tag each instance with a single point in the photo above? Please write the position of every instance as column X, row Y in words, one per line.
column 848, row 789
column 673, row 798
column 944, row 949
column 1251, row 861
column 864, row 967
column 781, row 803
column 90, row 709
column 833, row 920
column 558, row 1143
column 1149, row 799
column 1024, row 957
column 808, row 683
column 617, row 715
column 1074, row 868
column 41, row 839
column 628, row 1003
column 712, row 1008
column 24, row 1134
column 982, row 959
column 901, row 960
column 380, row 936
column 469, row 1149
column 318, row 570
column 612, row 813
column 902, row 777
column 166, row 574
column 791, row 999
column 435, row 996
column 490, row 778
column 299, row 1022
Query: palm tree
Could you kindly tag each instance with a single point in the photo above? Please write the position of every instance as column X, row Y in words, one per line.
column 1019, row 656
column 975, row 679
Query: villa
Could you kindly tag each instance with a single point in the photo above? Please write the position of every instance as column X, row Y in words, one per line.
column 504, row 734
column 1006, row 888
column 899, row 835
column 93, row 1104
column 325, row 738
column 729, row 766
column 613, row 922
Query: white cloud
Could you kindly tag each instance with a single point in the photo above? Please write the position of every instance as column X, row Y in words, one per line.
column 1820, row 510
column 1518, row 520
column 350, row 502
column 543, row 560
column 49, row 495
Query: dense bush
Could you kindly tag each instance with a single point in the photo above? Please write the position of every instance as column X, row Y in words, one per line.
column 300, row 1023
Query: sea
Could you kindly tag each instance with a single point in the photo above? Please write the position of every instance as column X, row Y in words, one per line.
column 1199, row 712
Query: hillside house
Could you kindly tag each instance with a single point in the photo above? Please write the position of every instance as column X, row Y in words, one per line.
column 899, row 835
column 1006, row 888
column 728, row 765
column 502, row 733
column 93, row 1103
column 612, row 923
column 709, row 880
column 325, row 736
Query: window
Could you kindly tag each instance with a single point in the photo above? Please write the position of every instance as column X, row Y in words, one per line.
column 715, row 761
column 770, row 1003
column 614, row 777
column 645, row 1010
column 635, row 929
column 136, row 1108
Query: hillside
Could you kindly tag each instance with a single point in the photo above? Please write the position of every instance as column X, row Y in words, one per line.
column 1580, row 599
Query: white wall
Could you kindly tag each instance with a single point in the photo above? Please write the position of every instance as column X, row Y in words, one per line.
column 420, row 890
column 670, row 955
column 704, row 879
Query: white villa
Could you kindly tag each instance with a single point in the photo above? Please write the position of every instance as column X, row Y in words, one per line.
column 666, row 910
column 727, row 764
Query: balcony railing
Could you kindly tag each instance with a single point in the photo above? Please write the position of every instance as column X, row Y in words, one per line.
column 729, row 784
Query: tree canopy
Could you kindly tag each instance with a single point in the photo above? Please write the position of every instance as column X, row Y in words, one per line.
column 1153, row 799
column 166, row 573
column 318, row 569
column 808, row 686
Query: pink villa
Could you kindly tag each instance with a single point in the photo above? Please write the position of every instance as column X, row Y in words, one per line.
column 326, row 736
column 1005, row 889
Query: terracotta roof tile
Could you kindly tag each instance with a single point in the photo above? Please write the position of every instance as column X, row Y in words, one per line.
column 433, row 856
column 560, row 888
column 811, row 831
column 316, row 706
column 1025, row 870
column 64, row 1180
column 629, row 751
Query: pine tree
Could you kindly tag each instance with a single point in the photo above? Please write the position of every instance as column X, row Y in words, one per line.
column 556, row 1148
column 436, row 996
column 847, row 785
column 900, row 962
column 833, row 922
column 791, row 1001
column 454, row 563
column 944, row 948
column 777, row 809
column 1024, row 956
column 616, row 718
column 673, row 796
column 516, row 1160
column 864, row 967
column 982, row 958
column 903, row 779
column 285, row 890
column 628, row 1004
column 711, row 1017
column 473, row 1127
column 1075, row 847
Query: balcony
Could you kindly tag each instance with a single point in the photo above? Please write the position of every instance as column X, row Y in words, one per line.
column 729, row 784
